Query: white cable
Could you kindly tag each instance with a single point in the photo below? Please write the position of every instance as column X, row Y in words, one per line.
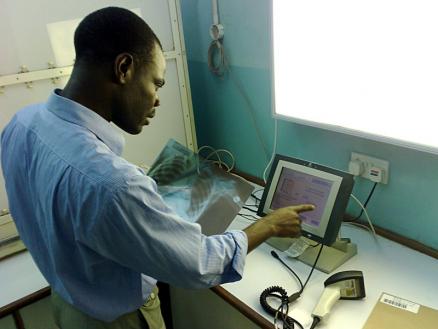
column 360, row 225
column 230, row 155
column 214, row 12
column 206, row 147
column 219, row 160
column 198, row 157
column 366, row 215
column 274, row 150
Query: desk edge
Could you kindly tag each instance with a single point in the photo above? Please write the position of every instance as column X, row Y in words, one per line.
column 22, row 302
column 242, row 308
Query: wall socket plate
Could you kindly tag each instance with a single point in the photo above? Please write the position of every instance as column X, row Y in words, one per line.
column 369, row 162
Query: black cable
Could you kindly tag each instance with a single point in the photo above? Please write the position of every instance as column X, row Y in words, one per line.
column 249, row 217
column 256, row 198
column 282, row 310
column 366, row 202
column 253, row 194
column 250, row 209
column 315, row 322
column 313, row 267
column 280, row 293
column 275, row 255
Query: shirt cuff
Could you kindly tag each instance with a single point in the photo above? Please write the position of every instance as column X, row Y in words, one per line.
column 239, row 257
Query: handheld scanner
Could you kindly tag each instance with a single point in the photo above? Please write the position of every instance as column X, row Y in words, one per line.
column 342, row 285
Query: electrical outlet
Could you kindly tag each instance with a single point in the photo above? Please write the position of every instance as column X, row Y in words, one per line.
column 368, row 163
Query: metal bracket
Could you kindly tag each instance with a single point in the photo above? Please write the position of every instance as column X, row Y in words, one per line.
column 54, row 80
column 24, row 69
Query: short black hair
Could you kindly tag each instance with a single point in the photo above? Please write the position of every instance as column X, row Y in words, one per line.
column 110, row 31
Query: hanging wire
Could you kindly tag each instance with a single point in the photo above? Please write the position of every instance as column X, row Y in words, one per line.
column 218, row 64
column 366, row 215
column 366, row 202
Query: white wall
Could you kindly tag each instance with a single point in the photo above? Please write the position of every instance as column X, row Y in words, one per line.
column 25, row 41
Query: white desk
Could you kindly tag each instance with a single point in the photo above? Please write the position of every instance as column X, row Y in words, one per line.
column 20, row 280
column 387, row 267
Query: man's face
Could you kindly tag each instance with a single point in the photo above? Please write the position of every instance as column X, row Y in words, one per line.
column 140, row 97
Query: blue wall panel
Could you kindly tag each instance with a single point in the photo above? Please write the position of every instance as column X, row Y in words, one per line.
column 408, row 205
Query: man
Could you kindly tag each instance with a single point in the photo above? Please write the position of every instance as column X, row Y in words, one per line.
column 93, row 222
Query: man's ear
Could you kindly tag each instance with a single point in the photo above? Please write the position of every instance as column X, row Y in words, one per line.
column 124, row 68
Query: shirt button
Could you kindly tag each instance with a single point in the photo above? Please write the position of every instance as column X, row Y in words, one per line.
column 152, row 296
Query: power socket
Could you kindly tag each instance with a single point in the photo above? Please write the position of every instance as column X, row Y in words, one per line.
column 368, row 164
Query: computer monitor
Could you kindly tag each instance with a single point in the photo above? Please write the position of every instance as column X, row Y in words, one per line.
column 293, row 181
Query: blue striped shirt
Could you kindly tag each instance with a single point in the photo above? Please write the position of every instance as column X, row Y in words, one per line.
column 94, row 223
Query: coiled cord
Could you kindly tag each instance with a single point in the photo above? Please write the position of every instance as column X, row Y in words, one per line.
column 280, row 293
column 272, row 292
column 216, row 58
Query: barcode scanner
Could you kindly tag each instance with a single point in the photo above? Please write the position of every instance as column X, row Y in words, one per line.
column 342, row 285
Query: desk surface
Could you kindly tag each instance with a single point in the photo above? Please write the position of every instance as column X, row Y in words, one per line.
column 387, row 267
column 19, row 278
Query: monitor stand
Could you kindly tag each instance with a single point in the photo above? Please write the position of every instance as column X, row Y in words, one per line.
column 331, row 256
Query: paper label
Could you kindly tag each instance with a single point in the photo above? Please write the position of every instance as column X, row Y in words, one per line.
column 400, row 303
column 297, row 248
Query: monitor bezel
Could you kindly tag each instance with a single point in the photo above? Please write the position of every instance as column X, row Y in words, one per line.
column 338, row 198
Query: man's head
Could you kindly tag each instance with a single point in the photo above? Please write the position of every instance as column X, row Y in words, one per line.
column 126, row 59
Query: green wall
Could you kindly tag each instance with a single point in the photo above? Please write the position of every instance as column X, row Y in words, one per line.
column 408, row 205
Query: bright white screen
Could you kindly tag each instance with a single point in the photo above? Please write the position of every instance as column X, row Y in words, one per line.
column 365, row 67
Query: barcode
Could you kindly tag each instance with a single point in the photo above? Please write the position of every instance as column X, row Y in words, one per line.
column 400, row 303
column 394, row 303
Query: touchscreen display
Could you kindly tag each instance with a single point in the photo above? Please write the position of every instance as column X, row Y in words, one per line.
column 295, row 188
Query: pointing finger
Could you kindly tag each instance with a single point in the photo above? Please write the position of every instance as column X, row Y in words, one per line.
column 303, row 207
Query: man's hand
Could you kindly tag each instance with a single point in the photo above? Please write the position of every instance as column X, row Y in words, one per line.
column 286, row 221
column 283, row 222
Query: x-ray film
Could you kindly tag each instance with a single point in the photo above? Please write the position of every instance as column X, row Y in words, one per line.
column 197, row 189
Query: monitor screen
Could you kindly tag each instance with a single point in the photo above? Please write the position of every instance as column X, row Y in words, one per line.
column 294, row 181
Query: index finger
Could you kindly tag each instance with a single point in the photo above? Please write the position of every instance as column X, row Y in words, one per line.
column 303, row 207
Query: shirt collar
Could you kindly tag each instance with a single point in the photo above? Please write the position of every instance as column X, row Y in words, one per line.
column 76, row 113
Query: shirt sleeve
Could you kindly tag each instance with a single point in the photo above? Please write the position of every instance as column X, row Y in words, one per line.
column 138, row 231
